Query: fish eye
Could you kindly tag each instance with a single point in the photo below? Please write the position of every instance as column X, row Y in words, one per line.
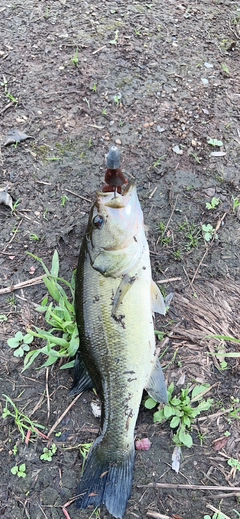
column 98, row 221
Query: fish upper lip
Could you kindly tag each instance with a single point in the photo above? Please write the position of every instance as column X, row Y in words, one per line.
column 117, row 200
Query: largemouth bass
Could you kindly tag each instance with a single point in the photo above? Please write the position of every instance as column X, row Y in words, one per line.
column 115, row 301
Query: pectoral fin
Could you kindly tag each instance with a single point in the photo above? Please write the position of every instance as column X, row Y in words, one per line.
column 156, row 386
column 125, row 285
column 158, row 304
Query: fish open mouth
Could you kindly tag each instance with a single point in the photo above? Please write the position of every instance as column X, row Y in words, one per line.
column 116, row 200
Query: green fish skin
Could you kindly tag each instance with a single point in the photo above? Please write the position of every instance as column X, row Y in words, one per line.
column 115, row 300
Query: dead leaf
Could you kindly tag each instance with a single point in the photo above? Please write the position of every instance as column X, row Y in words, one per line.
column 218, row 153
column 5, row 198
column 220, row 443
column 177, row 150
column 176, row 457
column 15, row 136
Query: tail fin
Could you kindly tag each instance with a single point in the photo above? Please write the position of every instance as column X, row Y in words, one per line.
column 106, row 483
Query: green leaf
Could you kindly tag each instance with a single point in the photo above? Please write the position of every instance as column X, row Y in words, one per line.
column 158, row 416
column 28, row 338
column 13, row 343
column 30, row 357
column 175, row 401
column 215, row 142
column 68, row 365
column 49, row 361
column 185, row 438
column 19, row 352
column 174, row 422
column 186, row 421
column 198, row 391
column 55, row 264
column 150, row 403
column 22, row 467
column 168, row 411
column 51, row 285
column 170, row 390
column 14, row 470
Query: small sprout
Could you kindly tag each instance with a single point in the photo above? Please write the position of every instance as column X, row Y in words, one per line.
column 234, row 463
column 86, row 101
column 225, row 68
column 34, row 237
column 94, row 88
column 215, row 142
column 20, row 343
column 48, row 453
column 64, row 199
column 208, row 232
column 196, row 157
column 114, row 41
column 236, row 203
column 22, row 421
column 58, row 434
column 16, row 204
column 213, row 204
column 74, row 59
column 19, row 471
column 104, row 111
column 158, row 161
column 15, row 450
column 117, row 98
column 84, row 450
column 3, row 317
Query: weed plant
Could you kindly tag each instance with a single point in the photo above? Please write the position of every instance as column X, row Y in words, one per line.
column 181, row 412
column 59, row 315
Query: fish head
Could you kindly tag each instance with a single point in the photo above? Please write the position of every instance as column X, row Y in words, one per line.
column 115, row 235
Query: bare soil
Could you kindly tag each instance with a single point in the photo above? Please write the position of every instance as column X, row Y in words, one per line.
column 159, row 80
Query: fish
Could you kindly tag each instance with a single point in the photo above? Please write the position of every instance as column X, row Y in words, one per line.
column 115, row 301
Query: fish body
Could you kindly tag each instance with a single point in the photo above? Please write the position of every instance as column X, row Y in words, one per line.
column 115, row 300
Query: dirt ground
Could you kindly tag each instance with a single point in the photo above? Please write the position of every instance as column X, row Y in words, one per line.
column 159, row 80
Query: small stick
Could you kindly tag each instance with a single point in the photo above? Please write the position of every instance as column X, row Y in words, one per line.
column 207, row 248
column 153, row 192
column 47, row 394
column 99, row 50
column 188, row 278
column 79, row 196
column 6, row 107
column 168, row 280
column 23, row 284
column 156, row 515
column 170, row 217
column 199, row 265
column 217, row 511
column 12, row 238
column 63, row 414
column 190, row 487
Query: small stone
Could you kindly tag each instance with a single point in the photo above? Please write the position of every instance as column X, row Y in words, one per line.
column 118, row 141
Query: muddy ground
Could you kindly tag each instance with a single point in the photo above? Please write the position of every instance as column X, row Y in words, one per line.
column 159, row 80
